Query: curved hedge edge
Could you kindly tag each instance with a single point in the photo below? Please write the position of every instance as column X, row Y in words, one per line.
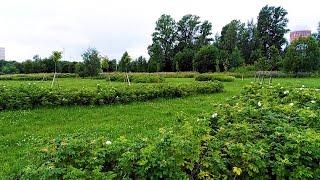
column 35, row 77
column 31, row 96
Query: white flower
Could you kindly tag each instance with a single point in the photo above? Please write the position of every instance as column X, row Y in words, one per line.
column 214, row 115
column 286, row 92
column 313, row 101
column 108, row 142
column 303, row 86
column 259, row 104
column 291, row 104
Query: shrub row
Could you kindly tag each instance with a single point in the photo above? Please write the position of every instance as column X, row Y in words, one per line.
column 136, row 78
column 213, row 77
column 158, row 74
column 274, row 74
column 30, row 96
column 268, row 132
column 36, row 77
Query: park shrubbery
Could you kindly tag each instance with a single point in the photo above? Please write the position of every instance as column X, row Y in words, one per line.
column 36, row 77
column 214, row 77
column 170, row 155
column 268, row 132
column 31, row 96
column 133, row 77
column 158, row 74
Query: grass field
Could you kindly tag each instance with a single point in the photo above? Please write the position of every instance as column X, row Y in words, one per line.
column 23, row 130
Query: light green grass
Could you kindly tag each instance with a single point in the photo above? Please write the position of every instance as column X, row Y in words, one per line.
column 22, row 130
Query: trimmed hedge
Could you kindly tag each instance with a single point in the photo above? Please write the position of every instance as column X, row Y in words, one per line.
column 135, row 78
column 36, row 77
column 158, row 74
column 31, row 96
column 213, row 77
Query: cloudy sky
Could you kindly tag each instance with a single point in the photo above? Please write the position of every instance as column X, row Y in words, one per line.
column 29, row 27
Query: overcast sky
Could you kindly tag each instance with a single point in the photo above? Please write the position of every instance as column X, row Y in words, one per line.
column 29, row 27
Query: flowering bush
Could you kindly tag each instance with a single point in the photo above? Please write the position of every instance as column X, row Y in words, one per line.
column 173, row 154
column 214, row 77
column 268, row 132
column 31, row 96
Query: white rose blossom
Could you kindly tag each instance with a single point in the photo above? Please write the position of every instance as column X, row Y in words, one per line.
column 214, row 115
column 259, row 104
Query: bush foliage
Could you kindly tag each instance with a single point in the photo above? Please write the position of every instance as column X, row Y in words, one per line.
column 36, row 77
column 214, row 77
column 268, row 132
column 303, row 55
column 30, row 96
column 135, row 77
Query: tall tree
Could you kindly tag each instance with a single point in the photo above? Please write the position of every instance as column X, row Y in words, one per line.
column 157, row 58
column 124, row 62
column 206, row 59
column 303, row 55
column 104, row 64
column 249, row 43
column 272, row 26
column 230, row 35
column 205, row 31
column 187, row 31
column 92, row 62
column 184, row 59
column 318, row 36
column 164, row 38
column 142, row 65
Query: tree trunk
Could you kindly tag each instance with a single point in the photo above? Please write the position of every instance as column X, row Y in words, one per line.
column 55, row 72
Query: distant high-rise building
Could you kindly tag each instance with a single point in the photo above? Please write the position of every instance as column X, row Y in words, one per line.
column 2, row 53
column 296, row 34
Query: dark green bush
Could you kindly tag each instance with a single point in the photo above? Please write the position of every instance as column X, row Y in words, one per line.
column 31, row 96
column 214, row 77
column 303, row 55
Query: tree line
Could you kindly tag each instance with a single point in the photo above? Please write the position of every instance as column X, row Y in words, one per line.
column 188, row 45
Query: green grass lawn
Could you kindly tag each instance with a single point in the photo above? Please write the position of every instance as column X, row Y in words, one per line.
column 22, row 130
